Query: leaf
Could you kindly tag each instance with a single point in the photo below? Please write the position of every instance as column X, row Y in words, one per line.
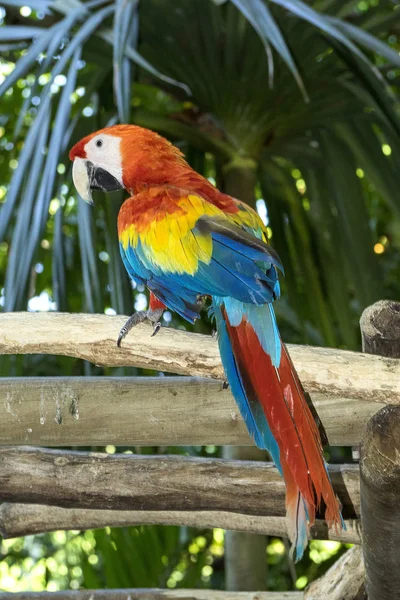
column 43, row 5
column 125, row 34
column 355, row 233
column 21, row 67
column 10, row 33
column 49, row 40
column 293, row 243
column 135, row 57
column 381, row 170
column 58, row 264
column 260, row 17
column 91, row 24
column 34, row 146
column 87, row 243
column 327, row 25
column 18, row 271
column 15, row 46
column 333, row 255
column 121, row 290
column 14, row 289
column 52, row 50
column 369, row 41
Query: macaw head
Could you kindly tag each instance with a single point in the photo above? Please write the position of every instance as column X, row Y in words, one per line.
column 123, row 157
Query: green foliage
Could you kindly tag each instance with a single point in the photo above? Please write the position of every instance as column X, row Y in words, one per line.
column 299, row 96
column 295, row 87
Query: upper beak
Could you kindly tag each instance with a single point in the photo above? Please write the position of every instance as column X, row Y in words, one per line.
column 87, row 177
column 81, row 179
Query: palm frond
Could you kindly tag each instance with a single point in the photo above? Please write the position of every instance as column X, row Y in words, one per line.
column 237, row 110
column 261, row 19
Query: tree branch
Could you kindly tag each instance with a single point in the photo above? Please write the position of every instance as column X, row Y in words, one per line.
column 18, row 520
column 77, row 411
column 335, row 373
column 131, row 482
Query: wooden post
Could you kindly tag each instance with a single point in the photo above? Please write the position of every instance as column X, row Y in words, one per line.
column 380, row 465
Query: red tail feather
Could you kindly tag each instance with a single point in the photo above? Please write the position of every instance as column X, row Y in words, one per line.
column 291, row 422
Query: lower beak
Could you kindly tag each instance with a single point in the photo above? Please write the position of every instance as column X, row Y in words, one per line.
column 87, row 177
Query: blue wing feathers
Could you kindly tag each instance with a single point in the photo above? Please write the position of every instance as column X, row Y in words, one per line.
column 242, row 267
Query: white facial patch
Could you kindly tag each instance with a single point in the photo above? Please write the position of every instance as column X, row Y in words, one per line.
column 104, row 151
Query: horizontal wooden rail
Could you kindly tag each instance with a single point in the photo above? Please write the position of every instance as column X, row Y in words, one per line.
column 131, row 482
column 335, row 373
column 166, row 411
column 18, row 520
column 148, row 594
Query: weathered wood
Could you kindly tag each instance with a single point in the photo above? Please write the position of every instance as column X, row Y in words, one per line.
column 129, row 482
column 380, row 506
column 337, row 373
column 380, row 465
column 343, row 581
column 380, row 329
column 18, row 520
column 167, row 411
column 155, row 594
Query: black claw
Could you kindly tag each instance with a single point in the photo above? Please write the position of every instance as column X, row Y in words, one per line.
column 157, row 328
column 121, row 336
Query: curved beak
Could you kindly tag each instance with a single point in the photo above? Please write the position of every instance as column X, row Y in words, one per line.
column 87, row 177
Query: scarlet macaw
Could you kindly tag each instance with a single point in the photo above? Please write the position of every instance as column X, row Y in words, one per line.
column 184, row 239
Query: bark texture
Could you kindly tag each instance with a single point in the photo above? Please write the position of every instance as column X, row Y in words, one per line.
column 18, row 520
column 343, row 581
column 128, row 482
column 380, row 464
column 147, row 594
column 335, row 373
column 167, row 411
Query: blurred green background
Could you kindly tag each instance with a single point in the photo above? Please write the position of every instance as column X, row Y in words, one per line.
column 291, row 106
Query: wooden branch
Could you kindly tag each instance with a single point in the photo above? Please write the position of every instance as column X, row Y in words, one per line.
column 154, row 594
column 335, row 373
column 167, row 411
column 343, row 581
column 380, row 465
column 129, row 482
column 18, row 520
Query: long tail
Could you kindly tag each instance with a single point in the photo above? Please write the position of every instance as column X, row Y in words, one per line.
column 271, row 400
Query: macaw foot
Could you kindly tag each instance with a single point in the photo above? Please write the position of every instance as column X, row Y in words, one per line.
column 153, row 316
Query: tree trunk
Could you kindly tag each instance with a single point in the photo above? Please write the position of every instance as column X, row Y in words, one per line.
column 245, row 553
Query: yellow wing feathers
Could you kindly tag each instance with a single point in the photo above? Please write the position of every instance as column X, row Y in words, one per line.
column 168, row 240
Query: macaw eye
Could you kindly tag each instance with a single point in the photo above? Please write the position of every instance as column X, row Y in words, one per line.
column 99, row 143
